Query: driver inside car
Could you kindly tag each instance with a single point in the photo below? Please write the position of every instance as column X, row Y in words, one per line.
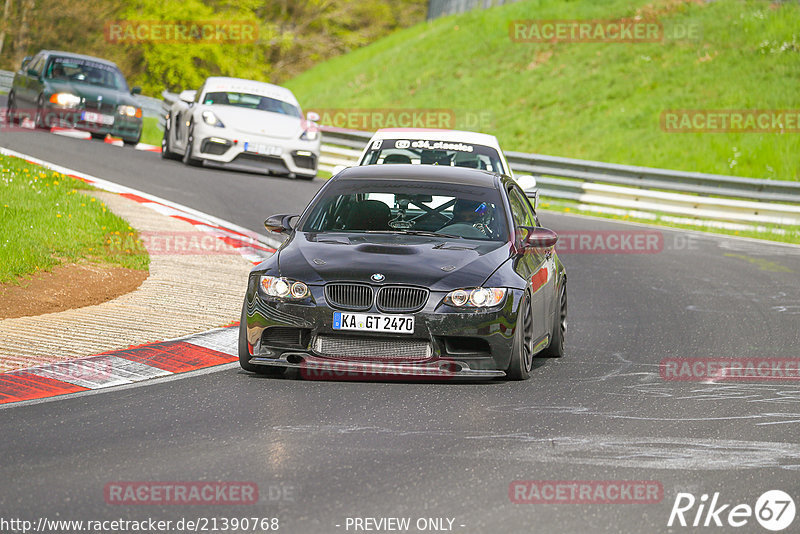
column 468, row 219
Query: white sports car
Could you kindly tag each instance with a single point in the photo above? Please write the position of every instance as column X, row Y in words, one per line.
column 245, row 125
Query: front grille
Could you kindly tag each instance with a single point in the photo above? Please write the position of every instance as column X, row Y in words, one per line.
column 401, row 299
column 372, row 348
column 349, row 296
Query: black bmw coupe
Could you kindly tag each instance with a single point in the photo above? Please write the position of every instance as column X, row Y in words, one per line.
column 408, row 271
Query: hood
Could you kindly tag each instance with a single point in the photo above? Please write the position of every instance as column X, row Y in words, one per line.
column 439, row 264
column 92, row 92
column 256, row 122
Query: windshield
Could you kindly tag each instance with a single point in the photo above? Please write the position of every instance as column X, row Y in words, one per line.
column 250, row 101
column 446, row 210
column 86, row 71
column 426, row 152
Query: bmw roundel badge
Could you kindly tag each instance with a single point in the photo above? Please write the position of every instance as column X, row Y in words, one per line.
column 378, row 277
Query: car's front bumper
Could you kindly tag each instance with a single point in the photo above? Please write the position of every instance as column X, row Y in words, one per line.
column 228, row 148
column 460, row 344
column 128, row 128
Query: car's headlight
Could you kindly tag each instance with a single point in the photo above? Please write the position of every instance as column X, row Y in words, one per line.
column 66, row 100
column 211, row 119
column 130, row 111
column 284, row 288
column 478, row 297
column 311, row 134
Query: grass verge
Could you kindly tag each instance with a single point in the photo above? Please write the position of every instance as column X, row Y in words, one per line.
column 151, row 131
column 45, row 220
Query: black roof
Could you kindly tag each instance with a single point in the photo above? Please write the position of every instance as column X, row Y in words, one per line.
column 423, row 173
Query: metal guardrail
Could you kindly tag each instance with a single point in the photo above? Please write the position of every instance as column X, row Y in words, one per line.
column 6, row 79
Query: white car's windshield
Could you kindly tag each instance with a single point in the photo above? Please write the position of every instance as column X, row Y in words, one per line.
column 250, row 101
column 427, row 152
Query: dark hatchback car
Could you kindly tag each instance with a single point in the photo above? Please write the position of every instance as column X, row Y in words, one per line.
column 404, row 271
column 75, row 91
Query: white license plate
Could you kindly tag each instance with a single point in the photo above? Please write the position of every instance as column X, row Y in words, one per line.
column 396, row 324
column 260, row 148
column 97, row 118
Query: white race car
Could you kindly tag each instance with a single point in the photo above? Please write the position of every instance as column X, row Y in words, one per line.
column 245, row 125
column 453, row 148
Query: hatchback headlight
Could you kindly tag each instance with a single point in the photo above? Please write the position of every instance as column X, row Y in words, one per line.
column 67, row 100
column 284, row 288
column 311, row 134
column 211, row 119
column 478, row 297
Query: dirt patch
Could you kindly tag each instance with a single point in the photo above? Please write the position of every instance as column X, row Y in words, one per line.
column 67, row 287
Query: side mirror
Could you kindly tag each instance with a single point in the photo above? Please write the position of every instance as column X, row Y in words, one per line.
column 188, row 95
column 136, row 90
column 279, row 224
column 339, row 168
column 526, row 181
column 539, row 237
column 312, row 116
column 25, row 61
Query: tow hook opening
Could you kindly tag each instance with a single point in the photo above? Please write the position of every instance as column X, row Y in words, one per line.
column 451, row 367
column 294, row 359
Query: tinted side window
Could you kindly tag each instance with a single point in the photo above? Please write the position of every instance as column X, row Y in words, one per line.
column 520, row 209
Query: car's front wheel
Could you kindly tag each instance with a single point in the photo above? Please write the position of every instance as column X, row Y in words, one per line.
column 41, row 120
column 244, row 352
column 166, row 146
column 522, row 354
column 188, row 159
column 11, row 117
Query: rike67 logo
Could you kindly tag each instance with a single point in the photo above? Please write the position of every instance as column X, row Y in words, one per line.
column 774, row 510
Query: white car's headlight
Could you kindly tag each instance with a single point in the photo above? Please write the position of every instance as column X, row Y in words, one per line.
column 478, row 297
column 311, row 134
column 211, row 119
column 284, row 288
column 67, row 100
column 130, row 111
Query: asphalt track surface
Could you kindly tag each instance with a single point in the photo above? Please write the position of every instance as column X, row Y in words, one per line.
column 323, row 451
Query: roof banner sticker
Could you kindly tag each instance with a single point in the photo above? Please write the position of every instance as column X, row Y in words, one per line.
column 84, row 62
column 440, row 145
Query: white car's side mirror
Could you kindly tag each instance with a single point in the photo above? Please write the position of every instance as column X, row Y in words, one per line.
column 339, row 168
column 188, row 95
column 526, row 182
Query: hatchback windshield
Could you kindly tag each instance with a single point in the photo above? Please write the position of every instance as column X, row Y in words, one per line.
column 446, row 210
column 250, row 101
column 86, row 71
column 426, row 152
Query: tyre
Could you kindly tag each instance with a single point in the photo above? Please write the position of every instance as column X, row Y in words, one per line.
column 559, row 330
column 244, row 353
column 166, row 146
column 522, row 354
column 11, row 118
column 99, row 136
column 188, row 159
column 131, row 142
column 41, row 121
